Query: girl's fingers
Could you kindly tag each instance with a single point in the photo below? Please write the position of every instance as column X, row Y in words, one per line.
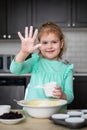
column 57, row 95
column 26, row 32
column 20, row 36
column 35, row 34
column 57, row 92
column 31, row 31
column 37, row 46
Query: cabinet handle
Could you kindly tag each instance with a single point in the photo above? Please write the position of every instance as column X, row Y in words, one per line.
column 9, row 36
column 4, row 36
column 73, row 78
column 68, row 24
column 73, row 24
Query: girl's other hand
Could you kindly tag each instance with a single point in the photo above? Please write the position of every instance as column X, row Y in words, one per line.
column 28, row 42
column 57, row 92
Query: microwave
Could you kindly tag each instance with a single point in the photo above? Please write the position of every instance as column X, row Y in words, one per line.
column 5, row 61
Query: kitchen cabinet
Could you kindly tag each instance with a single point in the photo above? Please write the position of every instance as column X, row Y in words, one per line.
column 51, row 10
column 66, row 13
column 79, row 16
column 2, row 18
column 13, row 17
column 80, row 93
column 12, row 88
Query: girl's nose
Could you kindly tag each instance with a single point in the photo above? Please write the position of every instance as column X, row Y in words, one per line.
column 49, row 45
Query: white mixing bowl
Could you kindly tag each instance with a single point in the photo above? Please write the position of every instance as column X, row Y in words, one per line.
column 42, row 108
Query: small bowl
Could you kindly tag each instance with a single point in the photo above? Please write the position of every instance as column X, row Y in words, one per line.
column 85, row 117
column 75, row 122
column 74, row 113
column 12, row 121
column 60, row 116
column 4, row 109
column 84, row 111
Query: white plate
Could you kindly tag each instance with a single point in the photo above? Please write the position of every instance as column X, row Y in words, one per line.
column 12, row 121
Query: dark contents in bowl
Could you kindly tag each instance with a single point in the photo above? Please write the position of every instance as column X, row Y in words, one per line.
column 11, row 115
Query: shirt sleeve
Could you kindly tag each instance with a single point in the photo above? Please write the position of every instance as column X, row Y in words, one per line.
column 25, row 66
column 68, row 89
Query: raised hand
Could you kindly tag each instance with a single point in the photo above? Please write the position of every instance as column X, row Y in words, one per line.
column 28, row 42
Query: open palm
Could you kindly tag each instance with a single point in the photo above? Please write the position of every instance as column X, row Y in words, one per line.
column 28, row 42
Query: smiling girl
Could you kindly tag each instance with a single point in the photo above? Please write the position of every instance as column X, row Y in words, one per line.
column 45, row 65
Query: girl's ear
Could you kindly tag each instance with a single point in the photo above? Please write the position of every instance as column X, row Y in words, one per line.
column 62, row 44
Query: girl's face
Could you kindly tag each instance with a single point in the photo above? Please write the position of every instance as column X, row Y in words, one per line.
column 51, row 46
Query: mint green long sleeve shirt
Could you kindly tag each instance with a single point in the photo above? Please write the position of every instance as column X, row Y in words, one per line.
column 43, row 71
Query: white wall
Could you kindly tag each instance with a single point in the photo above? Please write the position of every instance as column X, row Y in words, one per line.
column 9, row 46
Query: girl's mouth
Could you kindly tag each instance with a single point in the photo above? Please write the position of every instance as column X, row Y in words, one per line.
column 51, row 51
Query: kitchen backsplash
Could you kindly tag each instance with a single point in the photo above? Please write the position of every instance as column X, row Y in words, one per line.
column 9, row 46
column 76, row 53
column 76, row 40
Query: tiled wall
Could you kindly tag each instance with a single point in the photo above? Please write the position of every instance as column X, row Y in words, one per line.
column 76, row 53
column 76, row 40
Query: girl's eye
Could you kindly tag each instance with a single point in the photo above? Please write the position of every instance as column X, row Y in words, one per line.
column 54, row 42
column 44, row 42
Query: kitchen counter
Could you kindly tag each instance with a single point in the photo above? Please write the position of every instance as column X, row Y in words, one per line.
column 29, row 74
column 12, row 75
column 80, row 74
column 35, row 124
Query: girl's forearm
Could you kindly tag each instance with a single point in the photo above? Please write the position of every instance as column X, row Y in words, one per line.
column 21, row 56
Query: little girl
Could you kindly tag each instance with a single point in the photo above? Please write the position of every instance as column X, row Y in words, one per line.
column 45, row 64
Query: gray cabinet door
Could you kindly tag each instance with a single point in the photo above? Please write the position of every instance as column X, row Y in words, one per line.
column 66, row 13
column 79, row 13
column 17, row 16
column 51, row 10
column 14, row 15
column 2, row 18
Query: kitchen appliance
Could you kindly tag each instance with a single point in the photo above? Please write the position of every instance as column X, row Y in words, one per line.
column 5, row 61
column 12, row 87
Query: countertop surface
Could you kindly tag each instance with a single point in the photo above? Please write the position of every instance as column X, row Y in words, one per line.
column 10, row 74
column 35, row 124
column 29, row 74
column 80, row 74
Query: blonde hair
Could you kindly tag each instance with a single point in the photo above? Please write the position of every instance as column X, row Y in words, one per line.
column 50, row 27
